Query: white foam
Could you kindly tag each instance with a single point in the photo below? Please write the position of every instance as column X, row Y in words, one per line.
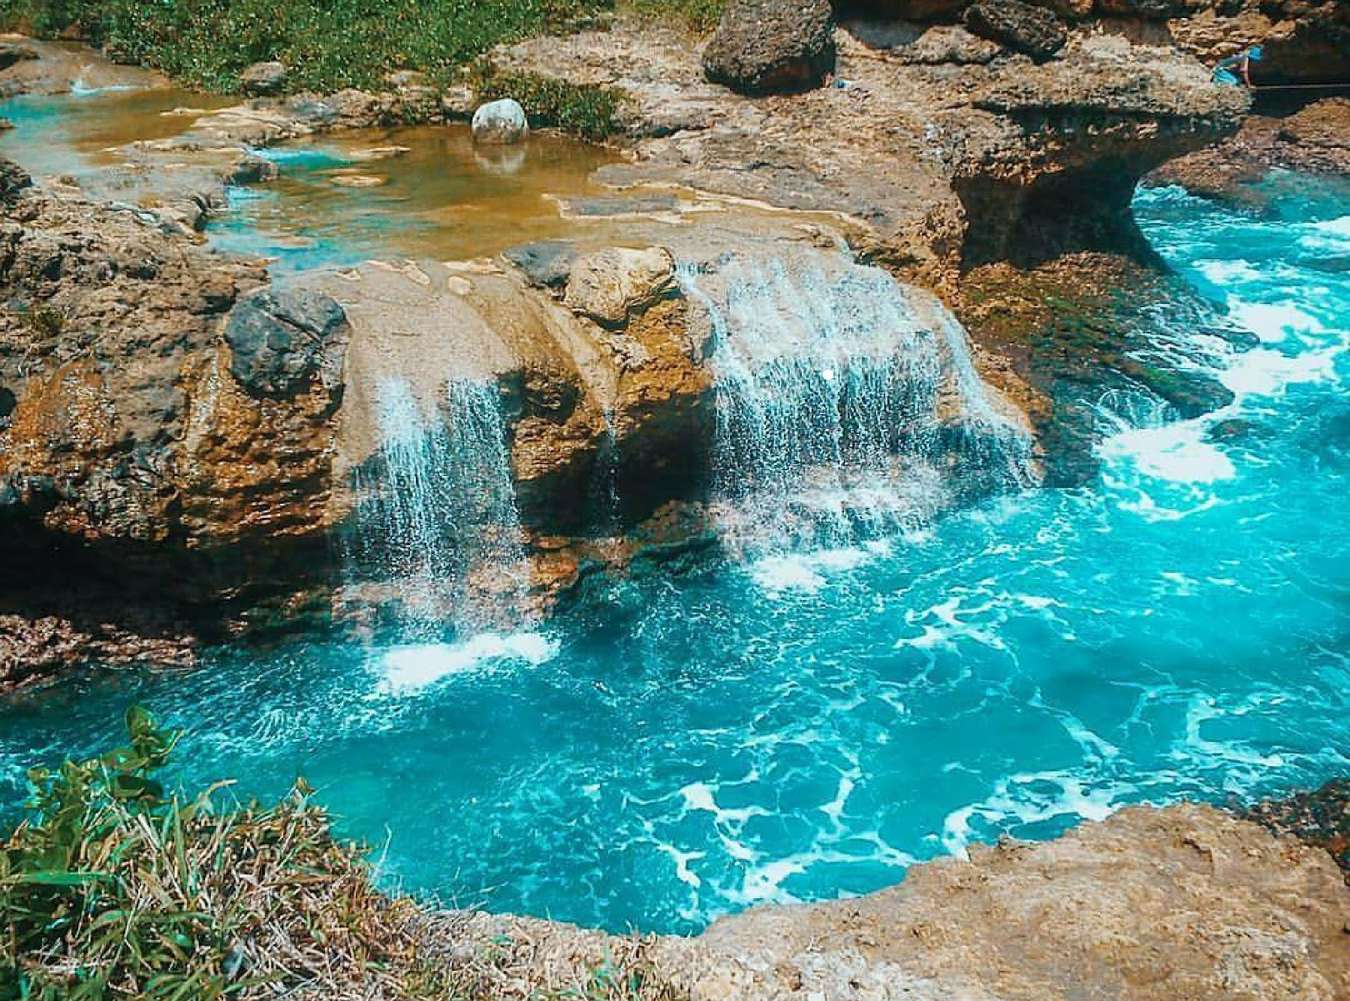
column 406, row 669
column 1176, row 452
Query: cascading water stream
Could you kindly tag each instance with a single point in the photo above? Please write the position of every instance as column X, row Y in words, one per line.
column 846, row 407
column 436, row 515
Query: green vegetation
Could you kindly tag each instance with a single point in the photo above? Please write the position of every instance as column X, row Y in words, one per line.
column 589, row 112
column 326, row 44
column 113, row 888
column 700, row 15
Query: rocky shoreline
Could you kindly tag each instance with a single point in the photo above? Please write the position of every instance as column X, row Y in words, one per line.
column 954, row 162
column 177, row 434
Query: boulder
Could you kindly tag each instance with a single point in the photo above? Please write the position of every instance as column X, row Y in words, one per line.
column 1158, row 10
column 907, row 10
column 500, row 123
column 1035, row 31
column 13, row 179
column 1072, row 10
column 13, row 52
column 263, row 79
column 614, row 284
column 280, row 339
column 772, row 46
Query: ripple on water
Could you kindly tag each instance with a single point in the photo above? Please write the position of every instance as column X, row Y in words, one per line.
column 810, row 724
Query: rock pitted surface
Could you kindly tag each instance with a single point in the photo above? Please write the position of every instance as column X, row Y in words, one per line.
column 772, row 46
column 263, row 79
column 611, row 286
column 1022, row 27
column 281, row 339
column 1150, row 905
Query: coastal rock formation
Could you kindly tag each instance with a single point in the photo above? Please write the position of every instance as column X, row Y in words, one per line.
column 1314, row 140
column 772, row 46
column 1022, row 27
column 1149, row 905
column 933, row 168
column 1305, row 41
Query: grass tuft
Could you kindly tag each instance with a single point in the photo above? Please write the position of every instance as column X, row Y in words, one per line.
column 112, row 887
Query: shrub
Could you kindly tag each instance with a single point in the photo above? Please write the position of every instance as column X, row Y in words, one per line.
column 587, row 111
column 112, row 888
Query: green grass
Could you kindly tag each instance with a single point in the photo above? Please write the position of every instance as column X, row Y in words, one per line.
column 326, row 44
column 114, row 888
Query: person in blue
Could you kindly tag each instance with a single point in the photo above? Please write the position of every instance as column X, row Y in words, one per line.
column 1238, row 69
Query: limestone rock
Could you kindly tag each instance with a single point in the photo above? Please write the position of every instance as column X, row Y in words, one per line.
column 281, row 339
column 910, row 10
column 263, row 79
column 13, row 179
column 13, row 52
column 1150, row 9
column 611, row 285
column 500, row 123
column 546, row 263
column 772, row 46
column 1034, row 31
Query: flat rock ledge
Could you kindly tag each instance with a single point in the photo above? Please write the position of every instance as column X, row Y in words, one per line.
column 1186, row 902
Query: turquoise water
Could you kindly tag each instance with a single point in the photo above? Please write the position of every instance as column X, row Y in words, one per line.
column 807, row 725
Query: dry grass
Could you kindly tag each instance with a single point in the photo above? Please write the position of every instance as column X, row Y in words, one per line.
column 111, row 889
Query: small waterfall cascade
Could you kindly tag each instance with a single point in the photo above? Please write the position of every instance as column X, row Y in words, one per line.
column 847, row 405
column 436, row 516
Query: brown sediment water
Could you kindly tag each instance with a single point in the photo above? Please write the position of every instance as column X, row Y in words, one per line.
column 416, row 192
column 82, row 133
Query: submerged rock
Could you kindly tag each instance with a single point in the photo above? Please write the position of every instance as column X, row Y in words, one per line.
column 772, row 46
column 1035, row 31
column 263, row 79
column 500, row 123
column 280, row 340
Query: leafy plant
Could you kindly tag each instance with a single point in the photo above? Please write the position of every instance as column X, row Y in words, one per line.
column 587, row 111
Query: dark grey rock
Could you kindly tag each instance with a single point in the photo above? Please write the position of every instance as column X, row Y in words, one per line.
column 263, row 79
column 1035, row 31
column 282, row 338
column 547, row 263
column 13, row 179
column 13, row 52
column 772, row 46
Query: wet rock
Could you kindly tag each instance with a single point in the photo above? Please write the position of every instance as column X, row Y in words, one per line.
column 613, row 284
column 263, row 79
column 772, row 46
column 500, row 123
column 1320, row 817
column 1035, row 31
column 281, row 339
column 1234, row 429
column 13, row 52
column 546, row 263
column 5, row 125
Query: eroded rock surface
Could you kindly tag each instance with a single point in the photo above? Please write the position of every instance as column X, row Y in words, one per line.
column 772, row 46
column 1314, row 140
column 1149, row 905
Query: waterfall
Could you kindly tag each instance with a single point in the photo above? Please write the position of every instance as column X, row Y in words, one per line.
column 436, row 515
column 847, row 406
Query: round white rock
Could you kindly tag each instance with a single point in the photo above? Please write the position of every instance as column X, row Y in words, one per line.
column 500, row 123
